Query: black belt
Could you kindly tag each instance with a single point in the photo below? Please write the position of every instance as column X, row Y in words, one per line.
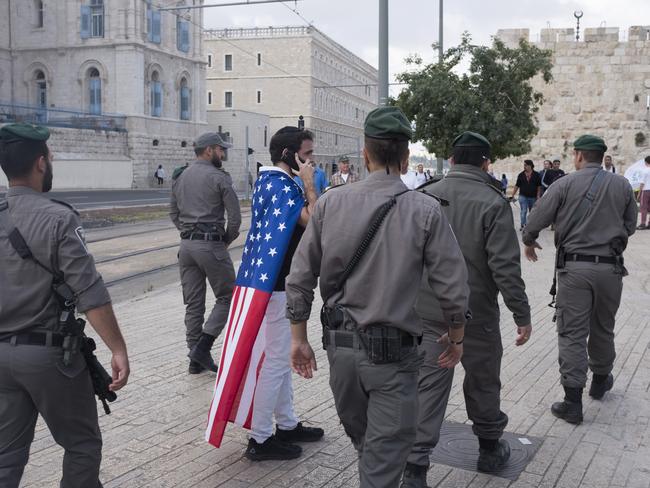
column 344, row 338
column 201, row 236
column 33, row 339
column 583, row 258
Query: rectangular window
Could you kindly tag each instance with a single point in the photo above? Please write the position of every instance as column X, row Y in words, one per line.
column 259, row 59
column 92, row 19
column 259, row 96
column 228, row 62
column 182, row 35
column 40, row 17
column 356, row 113
column 153, row 23
column 228, row 100
column 209, row 98
column 156, row 98
column 209, row 60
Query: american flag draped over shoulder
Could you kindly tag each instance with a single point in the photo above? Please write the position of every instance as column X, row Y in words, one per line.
column 277, row 203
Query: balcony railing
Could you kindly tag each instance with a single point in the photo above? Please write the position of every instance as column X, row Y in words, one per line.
column 58, row 117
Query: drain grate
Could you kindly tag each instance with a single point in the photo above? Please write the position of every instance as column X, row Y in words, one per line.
column 458, row 447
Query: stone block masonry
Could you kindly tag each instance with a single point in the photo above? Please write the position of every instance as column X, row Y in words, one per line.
column 601, row 85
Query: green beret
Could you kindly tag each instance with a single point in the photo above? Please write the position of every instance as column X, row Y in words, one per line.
column 470, row 139
column 388, row 123
column 589, row 143
column 23, row 132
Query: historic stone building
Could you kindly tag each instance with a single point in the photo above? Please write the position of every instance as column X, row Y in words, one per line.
column 90, row 68
column 288, row 72
column 601, row 86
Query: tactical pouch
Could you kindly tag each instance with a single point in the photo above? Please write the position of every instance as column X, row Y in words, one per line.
column 383, row 344
column 331, row 318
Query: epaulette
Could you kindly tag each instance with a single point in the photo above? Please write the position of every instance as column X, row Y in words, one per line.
column 434, row 179
column 65, row 204
column 441, row 201
column 499, row 192
column 332, row 187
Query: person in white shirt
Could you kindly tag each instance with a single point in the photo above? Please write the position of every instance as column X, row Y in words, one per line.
column 409, row 178
column 644, row 195
column 420, row 176
column 608, row 166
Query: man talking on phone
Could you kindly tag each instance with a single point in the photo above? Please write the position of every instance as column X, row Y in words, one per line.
column 291, row 149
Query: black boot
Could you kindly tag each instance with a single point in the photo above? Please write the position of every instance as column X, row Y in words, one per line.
column 195, row 368
column 492, row 455
column 570, row 409
column 601, row 384
column 200, row 353
column 272, row 449
column 415, row 476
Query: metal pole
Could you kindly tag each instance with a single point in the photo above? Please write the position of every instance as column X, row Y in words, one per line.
column 248, row 177
column 383, row 52
column 439, row 162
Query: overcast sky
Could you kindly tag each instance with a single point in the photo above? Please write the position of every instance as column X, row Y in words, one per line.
column 414, row 23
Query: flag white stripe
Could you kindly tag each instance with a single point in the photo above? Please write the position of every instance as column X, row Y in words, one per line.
column 248, row 392
column 229, row 348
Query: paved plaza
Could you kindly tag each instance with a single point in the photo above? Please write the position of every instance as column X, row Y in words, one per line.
column 154, row 437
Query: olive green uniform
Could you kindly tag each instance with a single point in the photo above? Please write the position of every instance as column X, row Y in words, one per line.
column 481, row 219
column 377, row 403
column 33, row 379
column 588, row 293
column 201, row 196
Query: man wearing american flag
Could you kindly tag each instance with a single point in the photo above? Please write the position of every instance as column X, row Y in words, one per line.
column 254, row 381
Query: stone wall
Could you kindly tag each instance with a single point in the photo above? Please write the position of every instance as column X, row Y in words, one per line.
column 601, row 86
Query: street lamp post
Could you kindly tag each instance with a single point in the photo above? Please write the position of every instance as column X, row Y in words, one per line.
column 383, row 52
column 439, row 160
column 578, row 15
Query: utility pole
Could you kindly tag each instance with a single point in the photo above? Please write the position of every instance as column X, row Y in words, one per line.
column 439, row 162
column 247, row 177
column 383, row 52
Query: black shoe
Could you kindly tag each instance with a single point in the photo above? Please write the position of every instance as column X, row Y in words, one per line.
column 202, row 357
column 569, row 411
column 598, row 390
column 272, row 449
column 195, row 368
column 300, row 434
column 491, row 460
column 415, row 476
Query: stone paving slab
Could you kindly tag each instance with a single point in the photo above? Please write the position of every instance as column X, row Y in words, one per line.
column 154, row 438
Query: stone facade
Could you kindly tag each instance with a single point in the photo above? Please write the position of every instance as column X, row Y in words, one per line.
column 291, row 71
column 601, row 86
column 102, row 58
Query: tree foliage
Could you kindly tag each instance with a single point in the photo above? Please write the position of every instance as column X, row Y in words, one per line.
column 494, row 97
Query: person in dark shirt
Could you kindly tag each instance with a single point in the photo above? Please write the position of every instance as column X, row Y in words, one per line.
column 529, row 186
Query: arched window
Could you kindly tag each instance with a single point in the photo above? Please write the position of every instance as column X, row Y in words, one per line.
column 156, row 95
column 40, row 92
column 94, row 92
column 185, row 99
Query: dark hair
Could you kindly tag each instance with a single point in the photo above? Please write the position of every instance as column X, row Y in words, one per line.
column 556, row 161
column 389, row 152
column 592, row 155
column 529, row 162
column 473, row 155
column 503, row 176
column 288, row 138
column 200, row 150
column 18, row 158
column 647, row 160
column 548, row 161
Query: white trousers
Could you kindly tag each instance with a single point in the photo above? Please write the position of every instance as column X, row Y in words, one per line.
column 274, row 392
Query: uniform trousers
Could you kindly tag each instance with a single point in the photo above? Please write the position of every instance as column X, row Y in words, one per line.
column 274, row 391
column 33, row 381
column 645, row 206
column 197, row 261
column 588, row 298
column 377, row 405
column 482, row 352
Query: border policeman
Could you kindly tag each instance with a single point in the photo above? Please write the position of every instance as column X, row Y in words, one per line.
column 594, row 212
column 481, row 219
column 34, row 377
column 200, row 195
column 371, row 330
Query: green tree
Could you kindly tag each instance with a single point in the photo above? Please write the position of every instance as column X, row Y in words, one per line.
column 494, row 96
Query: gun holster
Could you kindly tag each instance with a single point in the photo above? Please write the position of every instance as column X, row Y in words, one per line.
column 331, row 318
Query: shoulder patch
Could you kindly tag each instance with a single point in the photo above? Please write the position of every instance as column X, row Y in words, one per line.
column 65, row 204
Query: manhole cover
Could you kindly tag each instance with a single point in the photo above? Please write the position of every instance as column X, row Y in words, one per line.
column 458, row 447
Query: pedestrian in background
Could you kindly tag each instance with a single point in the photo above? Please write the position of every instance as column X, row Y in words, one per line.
column 644, row 195
column 529, row 186
column 594, row 214
column 201, row 198
column 504, row 183
column 320, row 179
column 160, row 175
column 344, row 176
column 608, row 165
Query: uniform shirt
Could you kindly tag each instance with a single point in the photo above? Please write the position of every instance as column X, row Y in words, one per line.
column 528, row 187
column 55, row 236
column 200, row 195
column 414, row 237
column 612, row 215
column 481, row 219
